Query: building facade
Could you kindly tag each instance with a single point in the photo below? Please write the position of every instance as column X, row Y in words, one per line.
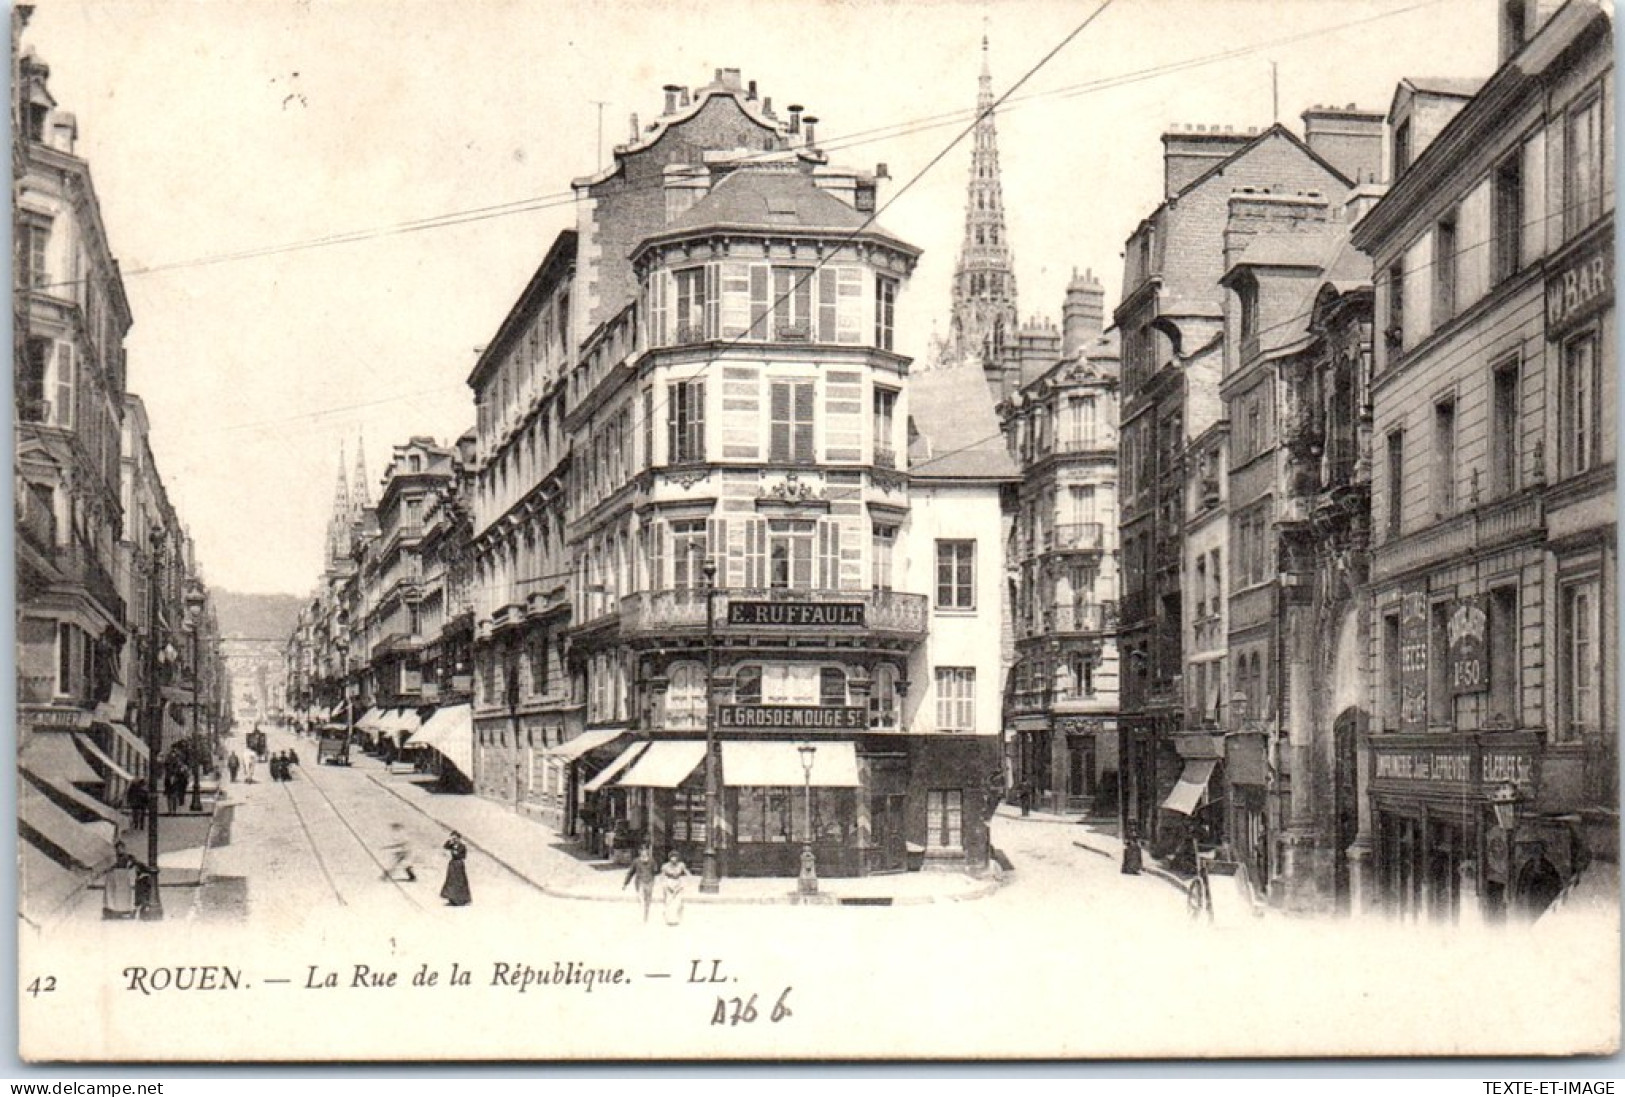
column 1061, row 427
column 1490, row 778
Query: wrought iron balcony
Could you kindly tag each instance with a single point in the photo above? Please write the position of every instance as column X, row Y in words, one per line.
column 1087, row 536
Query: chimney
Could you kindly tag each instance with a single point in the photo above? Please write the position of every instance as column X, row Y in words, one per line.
column 810, row 121
column 767, row 106
column 750, row 92
column 682, row 96
column 634, row 127
column 64, row 131
column 795, row 117
column 1083, row 315
column 1349, row 139
column 1038, row 347
column 671, row 91
column 730, row 79
column 1188, row 151
column 882, row 170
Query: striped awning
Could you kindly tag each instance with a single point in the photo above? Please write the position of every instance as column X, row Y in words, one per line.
column 665, row 765
column 608, row 774
column 100, row 755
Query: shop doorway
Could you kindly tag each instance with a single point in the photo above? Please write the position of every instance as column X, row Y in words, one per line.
column 890, row 854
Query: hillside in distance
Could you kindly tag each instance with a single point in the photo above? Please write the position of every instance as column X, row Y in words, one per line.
column 256, row 616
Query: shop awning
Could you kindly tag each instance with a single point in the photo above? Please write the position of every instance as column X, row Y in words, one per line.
column 53, row 829
column 779, row 765
column 45, row 886
column 96, row 752
column 1594, row 894
column 404, row 721
column 451, row 731
column 370, row 720
column 51, row 754
column 584, row 742
column 1192, row 784
column 82, row 800
column 615, row 768
column 130, row 738
column 665, row 765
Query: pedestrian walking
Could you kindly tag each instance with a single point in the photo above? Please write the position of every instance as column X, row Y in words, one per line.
column 455, row 890
column 672, row 875
column 118, row 885
column 172, row 791
column 1133, row 858
column 400, row 855
column 643, row 870
column 232, row 766
column 138, row 799
column 249, row 762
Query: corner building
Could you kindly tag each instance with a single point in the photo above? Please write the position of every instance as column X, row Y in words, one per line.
column 1491, row 776
column 741, row 445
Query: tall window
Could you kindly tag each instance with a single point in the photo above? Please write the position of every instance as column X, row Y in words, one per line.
column 883, row 697
column 1504, row 430
column 685, row 421
column 882, row 544
column 64, row 659
column 1582, row 165
column 32, row 245
column 884, row 424
column 885, row 311
column 1441, row 706
column 792, row 303
column 1395, row 334
column 688, row 549
column 1444, row 457
column 690, row 314
column 1402, row 147
column 831, row 687
column 1396, row 480
column 956, row 698
column 956, row 574
column 1218, row 580
column 790, row 554
column 1506, row 202
column 1577, row 398
column 1444, row 269
column 1503, row 657
column 685, row 696
column 944, row 815
column 1390, row 671
column 791, row 409
column 1580, row 673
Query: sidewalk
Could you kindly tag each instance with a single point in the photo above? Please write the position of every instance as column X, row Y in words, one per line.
column 1095, row 841
column 556, row 865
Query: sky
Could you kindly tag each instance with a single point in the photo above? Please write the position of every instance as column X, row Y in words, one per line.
column 323, row 210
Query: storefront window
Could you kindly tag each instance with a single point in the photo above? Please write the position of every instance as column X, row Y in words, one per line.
column 685, row 696
column 883, row 698
column 764, row 815
column 944, row 818
column 688, row 815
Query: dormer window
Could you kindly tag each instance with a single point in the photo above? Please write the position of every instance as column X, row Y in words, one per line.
column 1402, row 147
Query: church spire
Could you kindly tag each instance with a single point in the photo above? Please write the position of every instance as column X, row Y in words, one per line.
column 338, row 525
column 360, row 497
column 984, row 288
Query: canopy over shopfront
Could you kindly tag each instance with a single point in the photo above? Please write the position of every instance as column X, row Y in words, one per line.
column 68, row 841
column 1192, row 784
column 96, row 752
column 50, row 755
column 781, row 765
column 581, row 744
column 371, row 720
column 664, row 765
column 450, row 731
column 130, row 738
column 615, row 768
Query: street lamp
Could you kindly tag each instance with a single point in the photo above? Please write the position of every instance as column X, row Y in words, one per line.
column 807, row 883
column 153, row 909
column 1504, row 800
column 710, row 878
column 343, row 645
column 194, row 625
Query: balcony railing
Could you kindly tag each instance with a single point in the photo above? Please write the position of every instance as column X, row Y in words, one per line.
column 655, row 612
column 79, row 566
column 1087, row 443
column 885, row 458
column 1079, row 617
column 1075, row 535
column 793, row 333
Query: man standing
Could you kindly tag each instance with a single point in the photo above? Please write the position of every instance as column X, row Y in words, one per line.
column 137, row 799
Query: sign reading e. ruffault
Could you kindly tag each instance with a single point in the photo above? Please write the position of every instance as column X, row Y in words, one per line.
column 806, row 614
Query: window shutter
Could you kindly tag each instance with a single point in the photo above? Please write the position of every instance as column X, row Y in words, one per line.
column 826, row 305
column 713, row 300
column 648, row 427
column 760, row 300
column 804, row 421
column 716, row 547
column 829, row 555
column 696, row 392
column 63, row 401
column 779, row 412
column 755, row 553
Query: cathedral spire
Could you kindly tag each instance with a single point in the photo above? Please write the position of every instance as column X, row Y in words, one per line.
column 360, row 496
column 983, row 328
column 338, row 525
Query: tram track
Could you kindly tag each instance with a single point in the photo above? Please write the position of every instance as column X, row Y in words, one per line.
column 366, row 847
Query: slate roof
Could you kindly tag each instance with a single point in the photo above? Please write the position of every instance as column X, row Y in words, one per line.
column 958, row 430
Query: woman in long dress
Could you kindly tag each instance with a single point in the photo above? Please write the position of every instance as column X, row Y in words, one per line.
column 672, row 875
column 455, row 890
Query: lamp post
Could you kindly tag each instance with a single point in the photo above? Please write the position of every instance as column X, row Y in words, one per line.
column 807, row 882
column 194, row 625
column 1504, row 800
column 343, row 645
column 710, row 879
column 153, row 909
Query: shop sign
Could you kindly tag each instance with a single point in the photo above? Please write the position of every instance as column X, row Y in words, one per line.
column 1508, row 765
column 1581, row 286
column 805, row 614
column 1452, row 766
column 59, row 718
column 1469, row 672
column 1413, row 659
column 793, row 717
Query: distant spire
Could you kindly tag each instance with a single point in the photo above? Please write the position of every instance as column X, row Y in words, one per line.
column 984, row 324
column 338, row 524
column 361, row 497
